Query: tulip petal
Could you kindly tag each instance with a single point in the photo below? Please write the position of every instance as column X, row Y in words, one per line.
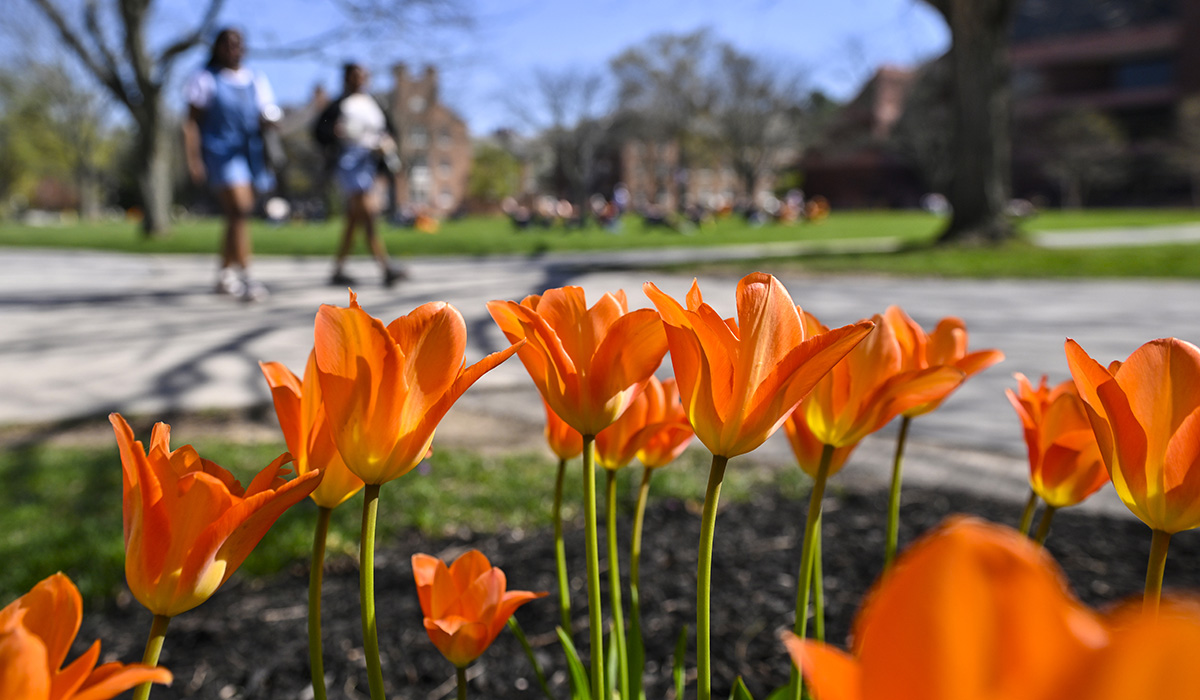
column 462, row 646
column 425, row 570
column 830, row 674
column 23, row 659
column 70, row 679
column 1160, row 381
column 1181, row 475
column 112, row 679
column 53, row 611
column 285, row 394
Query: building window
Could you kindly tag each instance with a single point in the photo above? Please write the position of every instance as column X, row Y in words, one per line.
column 416, row 104
column 444, row 138
column 418, row 137
column 1153, row 72
column 420, row 184
column 446, row 199
column 445, row 168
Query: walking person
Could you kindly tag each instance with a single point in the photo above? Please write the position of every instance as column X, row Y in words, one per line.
column 229, row 106
column 363, row 138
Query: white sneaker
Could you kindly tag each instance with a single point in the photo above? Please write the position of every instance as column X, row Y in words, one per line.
column 253, row 290
column 229, row 283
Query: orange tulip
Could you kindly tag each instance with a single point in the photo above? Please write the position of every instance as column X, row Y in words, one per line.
column 564, row 441
column 1146, row 657
column 1064, row 460
column 189, row 524
column 860, row 395
column 739, row 378
column 36, row 632
column 386, row 388
column 972, row 611
column 946, row 346
column 466, row 604
column 588, row 363
column 1146, row 416
column 306, row 429
column 649, row 418
column 664, row 444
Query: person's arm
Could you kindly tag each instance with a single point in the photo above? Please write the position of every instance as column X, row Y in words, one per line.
column 191, row 144
column 197, row 92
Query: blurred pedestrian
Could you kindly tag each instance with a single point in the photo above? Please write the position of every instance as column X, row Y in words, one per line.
column 229, row 107
column 364, row 138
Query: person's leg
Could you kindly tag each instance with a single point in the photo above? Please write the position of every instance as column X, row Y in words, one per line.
column 370, row 216
column 346, row 245
column 237, row 203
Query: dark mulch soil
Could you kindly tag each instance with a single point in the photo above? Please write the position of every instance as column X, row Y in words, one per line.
column 249, row 641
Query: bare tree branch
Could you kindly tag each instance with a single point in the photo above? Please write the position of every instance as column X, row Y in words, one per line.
column 192, row 38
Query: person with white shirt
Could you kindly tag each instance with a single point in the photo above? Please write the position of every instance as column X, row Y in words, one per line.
column 228, row 108
column 363, row 135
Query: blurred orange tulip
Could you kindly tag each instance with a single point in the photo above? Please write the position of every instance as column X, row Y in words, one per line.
column 654, row 416
column 386, row 388
column 1064, row 460
column 1146, row 657
column 946, row 346
column 1146, row 416
column 465, row 605
column 189, row 524
column 36, row 632
column 972, row 611
column 588, row 364
column 565, row 442
column 863, row 392
column 740, row 378
column 306, row 429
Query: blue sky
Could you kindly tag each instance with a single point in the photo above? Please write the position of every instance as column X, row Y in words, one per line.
column 835, row 45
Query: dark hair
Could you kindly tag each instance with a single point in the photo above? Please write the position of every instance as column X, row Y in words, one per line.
column 222, row 36
column 350, row 66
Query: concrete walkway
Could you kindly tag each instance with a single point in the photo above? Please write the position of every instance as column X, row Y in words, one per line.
column 85, row 333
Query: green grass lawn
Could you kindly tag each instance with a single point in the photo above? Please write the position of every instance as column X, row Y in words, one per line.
column 1016, row 260
column 452, row 491
column 470, row 236
column 491, row 236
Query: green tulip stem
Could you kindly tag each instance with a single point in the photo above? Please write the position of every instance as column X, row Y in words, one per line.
column 636, row 644
column 366, row 591
column 154, row 645
column 1044, row 525
column 893, row 517
column 1154, row 571
column 316, row 575
column 1027, row 514
column 807, row 556
column 708, row 522
column 595, row 611
column 818, row 586
column 462, row 682
column 614, row 583
column 560, row 551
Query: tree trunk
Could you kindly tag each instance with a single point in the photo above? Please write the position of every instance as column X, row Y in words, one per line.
column 156, row 170
column 981, row 150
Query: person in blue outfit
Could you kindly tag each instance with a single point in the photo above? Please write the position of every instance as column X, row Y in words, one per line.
column 228, row 108
column 361, row 137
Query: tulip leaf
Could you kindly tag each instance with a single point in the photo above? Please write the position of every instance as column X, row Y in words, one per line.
column 780, row 693
column 610, row 664
column 740, row 691
column 680, row 658
column 515, row 628
column 579, row 674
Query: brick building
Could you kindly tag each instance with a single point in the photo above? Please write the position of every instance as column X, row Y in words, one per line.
column 435, row 149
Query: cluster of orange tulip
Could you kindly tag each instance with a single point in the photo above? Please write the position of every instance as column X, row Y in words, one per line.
column 971, row 611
